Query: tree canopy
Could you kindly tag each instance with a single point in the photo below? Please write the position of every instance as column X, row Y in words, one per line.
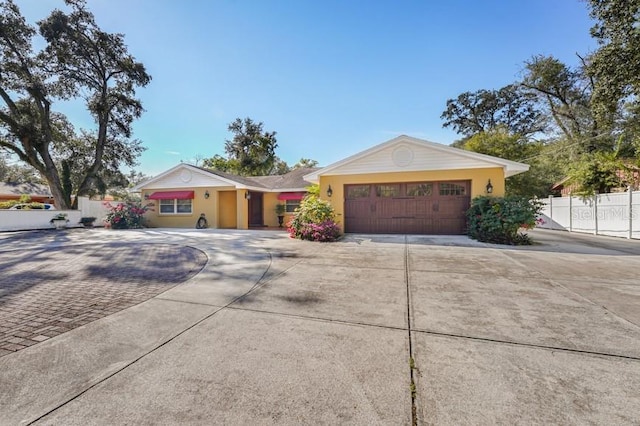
column 579, row 122
column 78, row 60
column 252, row 152
column 484, row 110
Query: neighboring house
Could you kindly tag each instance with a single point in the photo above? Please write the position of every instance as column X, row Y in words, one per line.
column 565, row 187
column 13, row 191
column 405, row 185
column 184, row 192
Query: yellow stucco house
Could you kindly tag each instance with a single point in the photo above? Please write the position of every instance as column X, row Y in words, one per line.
column 405, row 185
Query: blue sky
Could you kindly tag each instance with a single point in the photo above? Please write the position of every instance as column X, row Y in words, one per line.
column 331, row 77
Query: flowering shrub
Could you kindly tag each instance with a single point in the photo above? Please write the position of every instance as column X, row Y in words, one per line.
column 314, row 221
column 125, row 215
column 499, row 220
column 324, row 232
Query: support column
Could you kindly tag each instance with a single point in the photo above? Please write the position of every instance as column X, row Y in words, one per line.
column 630, row 235
column 595, row 214
column 570, row 212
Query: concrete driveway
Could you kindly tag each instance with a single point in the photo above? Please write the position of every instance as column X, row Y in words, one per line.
column 369, row 330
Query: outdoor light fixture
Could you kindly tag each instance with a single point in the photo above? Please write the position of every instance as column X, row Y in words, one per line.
column 489, row 187
column 247, row 195
column 146, row 196
column 329, row 191
column 206, row 194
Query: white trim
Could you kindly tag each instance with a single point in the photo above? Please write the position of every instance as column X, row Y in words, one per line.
column 237, row 185
column 175, row 208
column 139, row 187
column 511, row 168
column 289, row 189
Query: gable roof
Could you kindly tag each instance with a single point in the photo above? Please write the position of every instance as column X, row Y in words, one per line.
column 406, row 153
column 183, row 174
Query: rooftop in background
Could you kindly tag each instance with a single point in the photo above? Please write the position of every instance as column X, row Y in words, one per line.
column 36, row 191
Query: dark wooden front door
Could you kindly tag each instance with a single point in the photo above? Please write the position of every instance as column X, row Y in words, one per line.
column 256, row 216
column 407, row 208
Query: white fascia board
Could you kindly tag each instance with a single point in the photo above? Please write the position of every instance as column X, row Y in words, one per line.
column 287, row 189
column 141, row 185
column 511, row 168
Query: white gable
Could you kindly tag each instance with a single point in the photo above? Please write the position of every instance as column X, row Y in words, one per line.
column 407, row 158
column 406, row 154
column 185, row 176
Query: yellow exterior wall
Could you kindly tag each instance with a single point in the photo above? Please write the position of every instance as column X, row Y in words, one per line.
column 269, row 204
column 200, row 204
column 478, row 178
column 227, row 210
column 242, row 209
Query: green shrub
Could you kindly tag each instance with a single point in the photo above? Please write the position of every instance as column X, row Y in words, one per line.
column 8, row 204
column 314, row 220
column 24, row 199
column 499, row 220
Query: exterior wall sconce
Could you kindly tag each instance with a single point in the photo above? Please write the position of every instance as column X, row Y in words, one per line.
column 489, row 187
column 206, row 195
column 247, row 196
column 146, row 196
column 329, row 191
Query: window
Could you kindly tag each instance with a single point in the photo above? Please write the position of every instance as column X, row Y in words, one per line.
column 175, row 206
column 290, row 206
column 452, row 189
column 358, row 191
column 183, row 206
column 419, row 189
column 387, row 190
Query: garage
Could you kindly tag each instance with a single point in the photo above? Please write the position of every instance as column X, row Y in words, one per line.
column 407, row 208
column 408, row 185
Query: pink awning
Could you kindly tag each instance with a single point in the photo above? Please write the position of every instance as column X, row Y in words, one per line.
column 283, row 196
column 171, row 195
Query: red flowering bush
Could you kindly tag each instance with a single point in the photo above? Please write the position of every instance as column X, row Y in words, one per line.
column 314, row 221
column 125, row 215
column 324, row 232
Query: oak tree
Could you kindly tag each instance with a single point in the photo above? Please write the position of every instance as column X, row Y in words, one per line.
column 79, row 60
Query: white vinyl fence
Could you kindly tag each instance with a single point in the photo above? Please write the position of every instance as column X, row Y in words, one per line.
column 22, row 220
column 617, row 214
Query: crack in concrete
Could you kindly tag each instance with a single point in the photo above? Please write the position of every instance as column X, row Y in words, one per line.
column 414, row 417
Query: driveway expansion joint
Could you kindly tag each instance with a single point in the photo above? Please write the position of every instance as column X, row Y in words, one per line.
column 528, row 345
column 414, row 416
column 316, row 318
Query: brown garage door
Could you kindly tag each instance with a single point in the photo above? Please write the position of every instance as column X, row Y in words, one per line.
column 407, row 208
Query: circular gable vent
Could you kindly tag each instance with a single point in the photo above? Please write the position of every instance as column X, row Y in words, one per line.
column 402, row 156
column 185, row 176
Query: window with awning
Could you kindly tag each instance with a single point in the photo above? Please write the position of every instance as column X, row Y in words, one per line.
column 172, row 195
column 291, row 200
column 287, row 196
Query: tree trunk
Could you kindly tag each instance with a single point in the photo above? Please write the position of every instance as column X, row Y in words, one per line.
column 62, row 200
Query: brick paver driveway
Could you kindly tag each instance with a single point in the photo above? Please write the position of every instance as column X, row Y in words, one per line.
column 49, row 287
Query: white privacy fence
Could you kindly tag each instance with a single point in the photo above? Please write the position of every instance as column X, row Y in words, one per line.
column 22, row 220
column 617, row 214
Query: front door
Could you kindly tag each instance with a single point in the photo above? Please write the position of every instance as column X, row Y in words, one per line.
column 256, row 216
